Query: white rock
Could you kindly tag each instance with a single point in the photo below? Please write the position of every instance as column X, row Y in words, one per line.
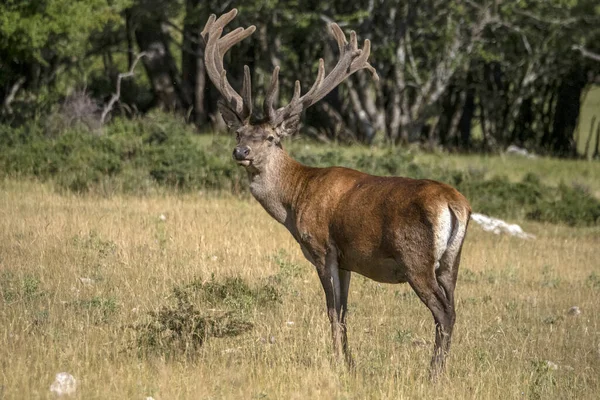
column 497, row 226
column 149, row 398
column 574, row 311
column 519, row 151
column 552, row 365
column 162, row 217
column 231, row 350
column 64, row 384
column 87, row 281
column 289, row 323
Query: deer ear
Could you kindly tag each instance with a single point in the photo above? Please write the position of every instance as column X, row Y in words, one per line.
column 229, row 116
column 289, row 126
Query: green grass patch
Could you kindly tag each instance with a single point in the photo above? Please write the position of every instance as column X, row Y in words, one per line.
column 199, row 310
column 160, row 152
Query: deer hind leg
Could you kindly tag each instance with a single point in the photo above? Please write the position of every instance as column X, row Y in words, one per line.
column 432, row 294
column 435, row 287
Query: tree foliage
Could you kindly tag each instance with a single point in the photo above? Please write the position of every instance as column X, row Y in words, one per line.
column 463, row 74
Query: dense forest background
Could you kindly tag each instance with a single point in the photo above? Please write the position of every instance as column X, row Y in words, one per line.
column 467, row 75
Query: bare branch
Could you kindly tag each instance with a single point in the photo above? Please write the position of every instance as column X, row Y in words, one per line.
column 414, row 70
column 115, row 97
column 586, row 53
column 11, row 95
column 548, row 21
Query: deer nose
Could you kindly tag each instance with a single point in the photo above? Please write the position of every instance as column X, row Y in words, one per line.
column 241, row 152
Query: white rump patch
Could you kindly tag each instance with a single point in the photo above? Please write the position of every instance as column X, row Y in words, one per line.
column 443, row 231
column 448, row 238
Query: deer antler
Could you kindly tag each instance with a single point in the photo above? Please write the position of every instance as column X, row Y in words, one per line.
column 216, row 47
column 351, row 59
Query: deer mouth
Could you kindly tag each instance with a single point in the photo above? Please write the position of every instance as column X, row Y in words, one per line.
column 245, row 163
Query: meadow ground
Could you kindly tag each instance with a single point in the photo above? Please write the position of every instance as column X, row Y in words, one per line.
column 514, row 337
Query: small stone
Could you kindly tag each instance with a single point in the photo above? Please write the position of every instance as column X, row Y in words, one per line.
column 574, row 311
column 289, row 323
column 214, row 258
column 87, row 281
column 272, row 339
column 551, row 365
column 64, row 384
column 162, row 217
column 231, row 350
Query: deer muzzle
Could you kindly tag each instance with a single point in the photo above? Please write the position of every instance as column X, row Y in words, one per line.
column 240, row 154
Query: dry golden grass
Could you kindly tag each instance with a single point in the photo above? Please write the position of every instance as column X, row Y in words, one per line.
column 513, row 297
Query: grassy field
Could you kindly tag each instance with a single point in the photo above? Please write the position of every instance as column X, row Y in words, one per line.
column 80, row 274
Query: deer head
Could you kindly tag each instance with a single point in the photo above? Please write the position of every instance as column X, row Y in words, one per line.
column 258, row 136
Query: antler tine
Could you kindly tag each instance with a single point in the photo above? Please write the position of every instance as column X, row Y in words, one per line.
column 233, row 37
column 351, row 59
column 339, row 36
column 353, row 41
column 319, row 80
column 208, row 26
column 247, row 91
column 216, row 47
column 361, row 61
column 268, row 108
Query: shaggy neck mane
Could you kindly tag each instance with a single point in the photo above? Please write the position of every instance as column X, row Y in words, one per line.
column 278, row 184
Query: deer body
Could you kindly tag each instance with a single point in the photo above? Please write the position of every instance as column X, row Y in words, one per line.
column 389, row 229
column 373, row 224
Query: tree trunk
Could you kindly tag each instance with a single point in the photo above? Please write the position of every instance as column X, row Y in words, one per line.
column 566, row 114
column 129, row 38
column 522, row 130
column 192, row 64
column 160, row 66
column 468, row 111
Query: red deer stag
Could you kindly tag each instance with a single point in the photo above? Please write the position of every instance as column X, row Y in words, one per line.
column 389, row 229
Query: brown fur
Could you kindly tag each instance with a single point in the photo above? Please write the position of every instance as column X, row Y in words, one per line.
column 380, row 227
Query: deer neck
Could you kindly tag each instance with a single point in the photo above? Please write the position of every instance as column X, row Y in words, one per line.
column 277, row 184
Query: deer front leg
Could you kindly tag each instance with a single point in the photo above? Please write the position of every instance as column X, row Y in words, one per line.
column 344, row 288
column 336, row 283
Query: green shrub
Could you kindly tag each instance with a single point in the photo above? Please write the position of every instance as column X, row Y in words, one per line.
column 500, row 197
column 160, row 150
column 98, row 309
column 570, row 205
column 233, row 293
column 184, row 326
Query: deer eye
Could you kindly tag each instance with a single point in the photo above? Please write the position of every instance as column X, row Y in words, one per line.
column 270, row 138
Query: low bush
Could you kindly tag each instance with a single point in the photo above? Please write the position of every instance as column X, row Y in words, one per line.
column 162, row 151
column 157, row 148
column 183, row 328
column 202, row 309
